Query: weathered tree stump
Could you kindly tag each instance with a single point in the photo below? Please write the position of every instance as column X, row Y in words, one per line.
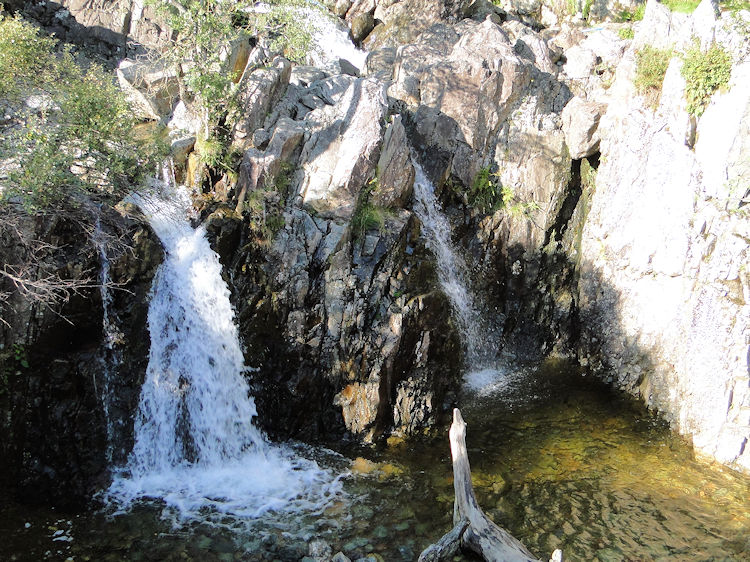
column 473, row 530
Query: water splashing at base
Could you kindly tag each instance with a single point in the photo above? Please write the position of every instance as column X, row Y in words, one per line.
column 196, row 448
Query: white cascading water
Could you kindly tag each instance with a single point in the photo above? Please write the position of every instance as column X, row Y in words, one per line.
column 331, row 40
column 112, row 357
column 479, row 348
column 196, row 447
column 330, row 36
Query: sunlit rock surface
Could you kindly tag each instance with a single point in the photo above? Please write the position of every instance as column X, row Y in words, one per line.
column 664, row 288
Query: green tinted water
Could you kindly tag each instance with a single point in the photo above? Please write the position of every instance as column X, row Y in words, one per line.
column 557, row 459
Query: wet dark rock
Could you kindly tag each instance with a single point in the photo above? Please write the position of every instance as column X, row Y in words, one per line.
column 51, row 401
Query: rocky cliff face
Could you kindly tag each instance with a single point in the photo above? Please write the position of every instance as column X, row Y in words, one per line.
column 637, row 269
column 52, row 361
column 343, row 315
column 663, row 287
column 616, row 233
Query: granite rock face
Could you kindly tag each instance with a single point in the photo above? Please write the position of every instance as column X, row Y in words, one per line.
column 615, row 233
column 663, row 287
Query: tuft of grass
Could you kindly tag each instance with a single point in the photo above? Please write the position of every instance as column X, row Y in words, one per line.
column 681, row 6
column 626, row 32
column 651, row 66
column 635, row 14
column 367, row 217
column 704, row 73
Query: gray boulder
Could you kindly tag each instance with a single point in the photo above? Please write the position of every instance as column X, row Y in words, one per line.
column 341, row 148
column 580, row 122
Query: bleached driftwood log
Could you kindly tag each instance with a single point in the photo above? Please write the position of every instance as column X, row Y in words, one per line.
column 473, row 530
column 447, row 546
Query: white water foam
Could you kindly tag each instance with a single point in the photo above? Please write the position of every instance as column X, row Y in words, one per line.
column 330, row 36
column 196, row 448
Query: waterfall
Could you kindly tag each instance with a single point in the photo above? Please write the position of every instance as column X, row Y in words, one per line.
column 477, row 340
column 330, row 36
column 111, row 354
column 196, row 447
column 331, row 40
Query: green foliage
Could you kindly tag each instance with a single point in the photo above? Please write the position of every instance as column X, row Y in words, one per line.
column 79, row 142
column 681, row 6
column 210, row 151
column 734, row 6
column 25, row 60
column 651, row 66
column 19, row 355
column 290, row 33
column 13, row 361
column 367, row 216
column 485, row 194
column 274, row 223
column 740, row 23
column 588, row 175
column 631, row 15
column 203, row 31
column 626, row 32
column 265, row 206
column 586, row 9
column 514, row 206
column 283, row 179
column 704, row 73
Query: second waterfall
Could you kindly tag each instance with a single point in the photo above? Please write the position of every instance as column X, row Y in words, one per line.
column 478, row 346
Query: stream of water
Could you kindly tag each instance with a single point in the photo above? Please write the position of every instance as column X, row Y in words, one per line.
column 197, row 451
column 111, row 355
column 479, row 349
column 558, row 459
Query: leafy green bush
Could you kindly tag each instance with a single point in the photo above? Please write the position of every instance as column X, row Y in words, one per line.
column 203, row 29
column 79, row 142
column 25, row 60
column 704, row 73
column 734, row 5
column 651, row 66
column 681, row 6
column 485, row 193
